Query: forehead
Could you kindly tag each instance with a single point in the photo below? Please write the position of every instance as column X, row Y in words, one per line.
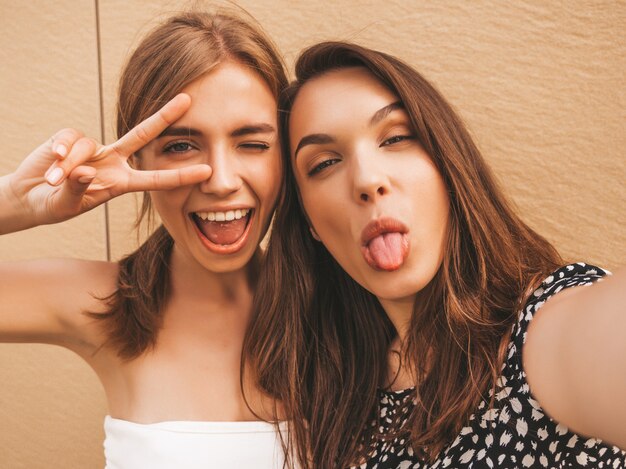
column 230, row 89
column 350, row 94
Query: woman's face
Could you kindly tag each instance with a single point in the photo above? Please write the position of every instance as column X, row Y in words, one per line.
column 372, row 194
column 230, row 125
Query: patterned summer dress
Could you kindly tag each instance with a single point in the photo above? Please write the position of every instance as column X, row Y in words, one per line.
column 515, row 432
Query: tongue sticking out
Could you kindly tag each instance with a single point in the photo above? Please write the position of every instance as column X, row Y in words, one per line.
column 387, row 251
column 223, row 232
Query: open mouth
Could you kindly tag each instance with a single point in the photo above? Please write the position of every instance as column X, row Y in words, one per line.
column 223, row 232
column 385, row 244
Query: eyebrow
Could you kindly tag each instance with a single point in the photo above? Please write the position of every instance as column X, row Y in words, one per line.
column 313, row 139
column 180, row 132
column 385, row 111
column 262, row 128
column 321, row 139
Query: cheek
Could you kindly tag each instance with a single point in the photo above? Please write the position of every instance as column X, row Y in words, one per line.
column 426, row 190
column 431, row 216
column 265, row 176
column 329, row 219
column 169, row 204
column 441, row 206
column 437, row 210
column 314, row 205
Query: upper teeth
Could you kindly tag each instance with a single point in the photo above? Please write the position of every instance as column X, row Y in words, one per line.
column 223, row 216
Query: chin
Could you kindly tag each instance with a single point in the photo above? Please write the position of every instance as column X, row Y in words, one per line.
column 394, row 293
column 398, row 287
column 224, row 266
column 232, row 262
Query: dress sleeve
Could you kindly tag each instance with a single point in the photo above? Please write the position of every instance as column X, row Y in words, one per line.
column 545, row 442
column 572, row 275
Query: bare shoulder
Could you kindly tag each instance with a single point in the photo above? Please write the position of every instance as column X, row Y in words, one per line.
column 89, row 274
column 562, row 299
column 45, row 300
column 71, row 282
column 562, row 332
column 79, row 286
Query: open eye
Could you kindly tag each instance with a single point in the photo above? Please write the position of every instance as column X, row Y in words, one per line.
column 321, row 166
column 178, row 147
column 396, row 139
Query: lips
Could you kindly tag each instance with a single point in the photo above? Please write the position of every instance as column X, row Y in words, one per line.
column 385, row 244
column 223, row 232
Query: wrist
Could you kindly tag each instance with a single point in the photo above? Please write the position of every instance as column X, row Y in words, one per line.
column 12, row 216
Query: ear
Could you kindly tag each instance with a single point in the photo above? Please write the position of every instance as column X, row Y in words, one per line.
column 314, row 234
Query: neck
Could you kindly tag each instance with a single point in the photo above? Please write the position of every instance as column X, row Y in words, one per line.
column 399, row 373
column 193, row 281
column 399, row 312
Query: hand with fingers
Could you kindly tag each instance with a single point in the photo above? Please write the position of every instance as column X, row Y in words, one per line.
column 70, row 174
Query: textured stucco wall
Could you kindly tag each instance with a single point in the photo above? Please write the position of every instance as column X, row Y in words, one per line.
column 51, row 403
column 540, row 84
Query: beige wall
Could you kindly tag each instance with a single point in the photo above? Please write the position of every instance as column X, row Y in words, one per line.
column 541, row 85
column 51, row 403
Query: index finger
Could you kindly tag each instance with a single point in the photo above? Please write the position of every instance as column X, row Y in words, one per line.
column 149, row 129
column 165, row 179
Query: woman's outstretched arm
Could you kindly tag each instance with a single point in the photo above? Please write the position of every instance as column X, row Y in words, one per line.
column 41, row 301
column 575, row 358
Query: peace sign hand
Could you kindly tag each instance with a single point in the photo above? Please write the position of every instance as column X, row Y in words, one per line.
column 71, row 174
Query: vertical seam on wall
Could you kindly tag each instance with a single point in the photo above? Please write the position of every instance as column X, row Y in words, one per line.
column 102, row 131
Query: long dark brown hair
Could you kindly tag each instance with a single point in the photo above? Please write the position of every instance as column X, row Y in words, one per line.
column 180, row 50
column 319, row 342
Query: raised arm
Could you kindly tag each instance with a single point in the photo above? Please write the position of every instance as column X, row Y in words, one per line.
column 41, row 301
column 575, row 358
column 70, row 174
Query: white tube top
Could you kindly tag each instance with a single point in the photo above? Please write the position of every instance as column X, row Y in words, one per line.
column 192, row 445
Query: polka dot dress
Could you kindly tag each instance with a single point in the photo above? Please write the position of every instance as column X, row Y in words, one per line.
column 515, row 432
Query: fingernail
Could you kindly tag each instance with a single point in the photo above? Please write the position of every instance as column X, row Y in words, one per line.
column 55, row 176
column 85, row 179
column 61, row 150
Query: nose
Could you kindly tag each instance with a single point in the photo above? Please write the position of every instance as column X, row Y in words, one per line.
column 370, row 180
column 226, row 178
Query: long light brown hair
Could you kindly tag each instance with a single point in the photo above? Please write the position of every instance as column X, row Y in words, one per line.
column 180, row 50
column 319, row 342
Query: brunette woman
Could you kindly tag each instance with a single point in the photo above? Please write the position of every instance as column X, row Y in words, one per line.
column 163, row 328
column 413, row 285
